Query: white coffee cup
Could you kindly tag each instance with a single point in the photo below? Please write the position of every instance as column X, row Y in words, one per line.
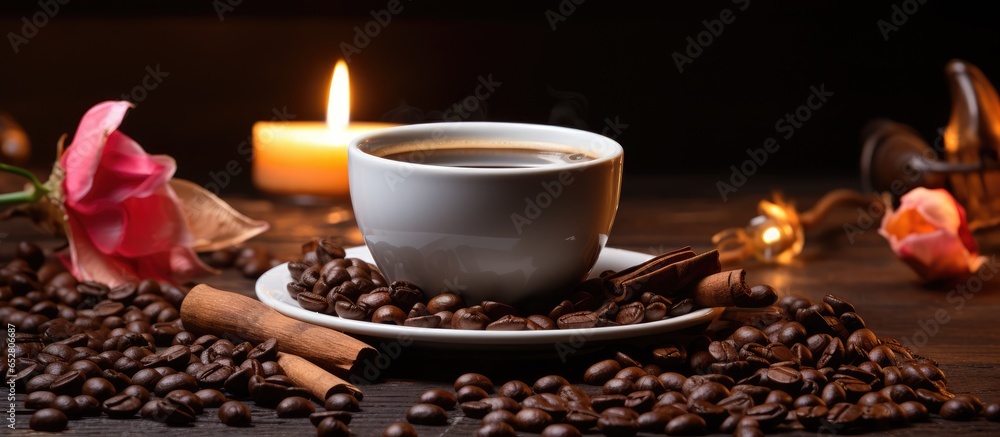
column 518, row 235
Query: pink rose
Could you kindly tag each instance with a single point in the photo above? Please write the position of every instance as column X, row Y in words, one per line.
column 930, row 233
column 124, row 222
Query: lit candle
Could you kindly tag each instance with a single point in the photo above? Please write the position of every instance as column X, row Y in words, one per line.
column 306, row 157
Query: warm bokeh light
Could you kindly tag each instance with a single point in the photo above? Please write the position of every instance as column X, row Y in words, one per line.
column 774, row 236
column 771, row 235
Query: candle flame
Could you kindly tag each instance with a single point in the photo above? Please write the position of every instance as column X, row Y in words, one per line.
column 338, row 108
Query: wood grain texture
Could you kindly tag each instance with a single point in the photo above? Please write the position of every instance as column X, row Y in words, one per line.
column 861, row 269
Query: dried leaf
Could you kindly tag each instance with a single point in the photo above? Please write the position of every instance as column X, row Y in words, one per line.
column 213, row 222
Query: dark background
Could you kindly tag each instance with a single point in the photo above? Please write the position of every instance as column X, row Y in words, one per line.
column 606, row 61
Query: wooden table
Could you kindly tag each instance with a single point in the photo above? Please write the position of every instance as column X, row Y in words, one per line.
column 655, row 214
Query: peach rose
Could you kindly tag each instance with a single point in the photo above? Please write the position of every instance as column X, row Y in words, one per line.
column 930, row 233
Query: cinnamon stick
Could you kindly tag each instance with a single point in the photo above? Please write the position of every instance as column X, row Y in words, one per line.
column 207, row 310
column 319, row 382
column 664, row 274
column 722, row 289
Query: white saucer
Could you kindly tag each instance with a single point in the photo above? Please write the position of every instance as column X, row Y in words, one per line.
column 271, row 291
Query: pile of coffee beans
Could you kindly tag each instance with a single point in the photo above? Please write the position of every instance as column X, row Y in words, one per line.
column 818, row 368
column 82, row 349
column 326, row 282
column 250, row 260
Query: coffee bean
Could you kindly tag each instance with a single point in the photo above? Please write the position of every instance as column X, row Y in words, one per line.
column 767, row 415
column 89, row 368
column 427, row 321
column 343, row 416
column 68, row 405
column 577, row 320
column 631, row 373
column 687, row 424
column 439, row 397
column 295, row 406
column 549, row 384
column 991, row 412
column 681, row 308
column 670, row 356
column 845, row 415
column 631, row 313
column 515, row 389
column 48, row 420
column 786, row 379
column 582, row 419
column 657, row 419
column 235, row 413
column 614, row 425
column 532, row 420
column 350, row 311
column 601, row 372
column 445, row 302
column 779, row 397
column 99, row 388
column 552, row 404
column 469, row 320
column 39, row 399
column 471, row 393
column 618, row 386
column 267, row 393
column 960, row 409
column 475, row 409
column 331, row 427
column 69, row 383
column 812, row 417
column 932, row 400
column 427, row 414
column 175, row 381
column 138, row 392
column 188, row 398
column 501, row 403
column 88, row 406
column 839, row 305
column 808, row 400
column 342, row 402
column 399, row 429
column 497, row 416
column 561, row 430
column 915, row 411
column 121, row 406
column 389, row 315
column 603, row 402
column 495, row 429
column 169, row 411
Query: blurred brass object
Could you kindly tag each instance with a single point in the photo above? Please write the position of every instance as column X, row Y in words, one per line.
column 14, row 145
column 895, row 159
